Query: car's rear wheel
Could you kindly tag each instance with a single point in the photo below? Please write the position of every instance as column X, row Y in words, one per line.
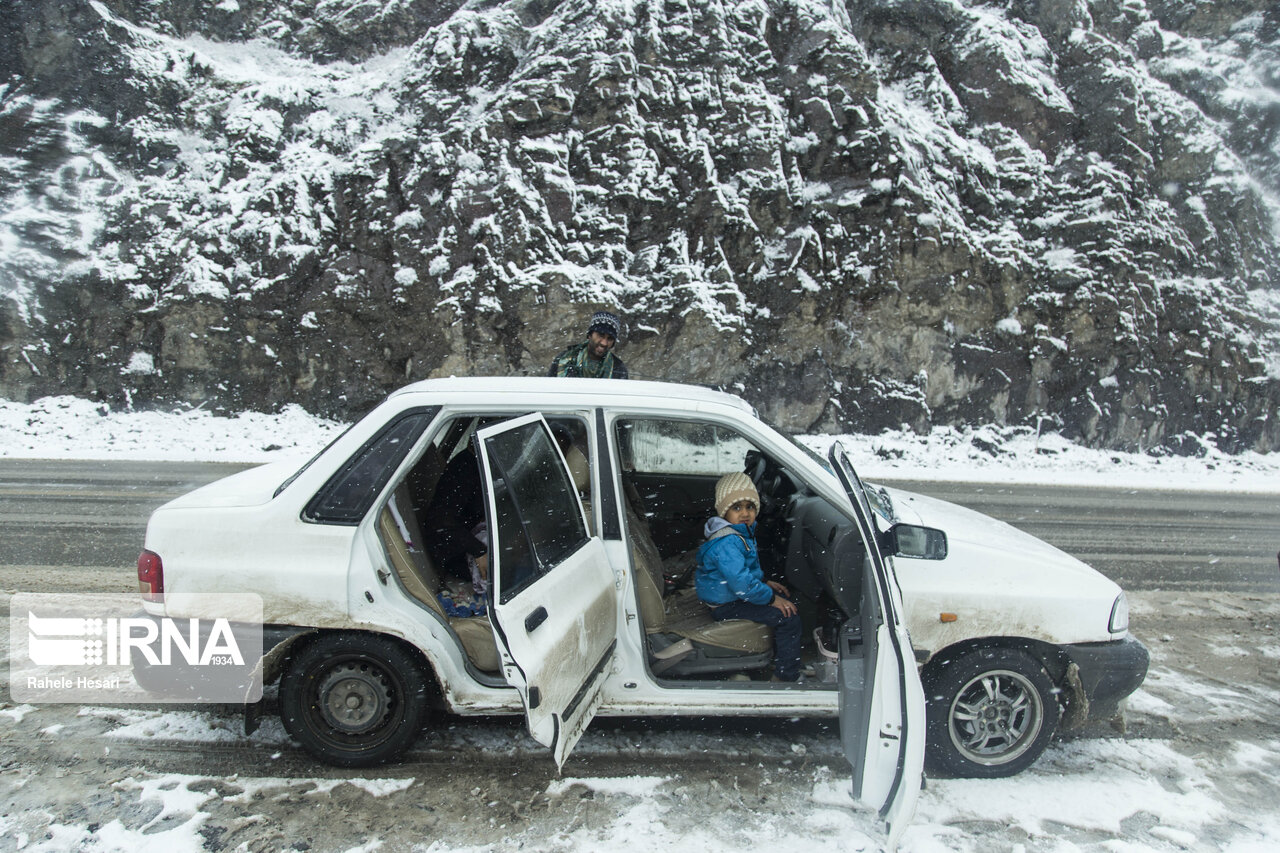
column 353, row 700
column 992, row 712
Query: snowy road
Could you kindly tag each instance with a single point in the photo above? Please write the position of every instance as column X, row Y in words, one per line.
column 1195, row 769
column 91, row 516
column 1142, row 538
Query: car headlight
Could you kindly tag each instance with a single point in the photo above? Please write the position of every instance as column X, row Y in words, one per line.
column 1119, row 615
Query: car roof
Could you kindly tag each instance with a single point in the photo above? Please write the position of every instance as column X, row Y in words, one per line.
column 576, row 391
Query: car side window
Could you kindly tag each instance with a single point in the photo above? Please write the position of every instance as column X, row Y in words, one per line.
column 539, row 521
column 682, row 447
column 515, row 555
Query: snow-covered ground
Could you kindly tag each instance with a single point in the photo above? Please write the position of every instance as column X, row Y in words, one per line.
column 70, row 427
column 1196, row 769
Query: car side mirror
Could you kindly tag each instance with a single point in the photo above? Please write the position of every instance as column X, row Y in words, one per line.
column 914, row 540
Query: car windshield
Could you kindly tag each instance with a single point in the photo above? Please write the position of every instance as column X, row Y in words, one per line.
column 881, row 503
column 879, row 499
column 807, row 451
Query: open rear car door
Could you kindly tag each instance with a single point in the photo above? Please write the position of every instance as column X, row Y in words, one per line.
column 553, row 600
column 882, row 711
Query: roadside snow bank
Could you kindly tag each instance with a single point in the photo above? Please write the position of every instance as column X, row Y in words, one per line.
column 74, row 428
column 995, row 454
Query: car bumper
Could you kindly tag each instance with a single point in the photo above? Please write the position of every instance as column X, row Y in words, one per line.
column 1108, row 673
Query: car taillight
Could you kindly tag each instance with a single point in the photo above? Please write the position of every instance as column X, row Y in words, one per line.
column 150, row 576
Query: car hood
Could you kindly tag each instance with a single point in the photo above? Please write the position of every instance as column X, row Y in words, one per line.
column 252, row 487
column 972, row 536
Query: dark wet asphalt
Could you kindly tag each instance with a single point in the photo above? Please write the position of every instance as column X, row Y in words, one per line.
column 93, row 515
column 1142, row 539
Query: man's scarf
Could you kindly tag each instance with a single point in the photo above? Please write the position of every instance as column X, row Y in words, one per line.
column 602, row 369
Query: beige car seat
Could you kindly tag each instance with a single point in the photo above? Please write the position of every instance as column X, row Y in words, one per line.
column 417, row 573
column 580, row 470
column 419, row 578
column 703, row 645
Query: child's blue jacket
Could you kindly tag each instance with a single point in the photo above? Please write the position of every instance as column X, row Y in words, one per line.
column 729, row 566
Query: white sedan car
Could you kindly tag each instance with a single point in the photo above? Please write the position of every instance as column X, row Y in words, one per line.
column 582, row 501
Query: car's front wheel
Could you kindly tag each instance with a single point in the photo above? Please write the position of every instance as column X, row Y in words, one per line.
column 353, row 700
column 991, row 713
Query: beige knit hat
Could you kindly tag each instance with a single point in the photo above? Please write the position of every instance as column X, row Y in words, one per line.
column 732, row 488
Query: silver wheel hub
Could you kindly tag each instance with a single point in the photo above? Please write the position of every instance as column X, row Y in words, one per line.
column 353, row 698
column 995, row 717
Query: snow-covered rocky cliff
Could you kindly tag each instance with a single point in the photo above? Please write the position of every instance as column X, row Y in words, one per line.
column 860, row 215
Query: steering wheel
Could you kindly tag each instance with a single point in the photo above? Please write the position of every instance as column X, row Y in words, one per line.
column 756, row 466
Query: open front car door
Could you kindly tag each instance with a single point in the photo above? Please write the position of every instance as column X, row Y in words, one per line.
column 552, row 594
column 882, row 713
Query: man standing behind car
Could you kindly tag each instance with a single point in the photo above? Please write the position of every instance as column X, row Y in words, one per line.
column 593, row 358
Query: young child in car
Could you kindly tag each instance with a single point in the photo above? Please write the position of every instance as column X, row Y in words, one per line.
column 731, row 582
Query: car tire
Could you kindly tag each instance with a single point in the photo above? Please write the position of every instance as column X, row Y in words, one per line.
column 148, row 676
column 991, row 713
column 176, row 681
column 354, row 700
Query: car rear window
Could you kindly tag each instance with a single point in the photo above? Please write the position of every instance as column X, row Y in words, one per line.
column 348, row 495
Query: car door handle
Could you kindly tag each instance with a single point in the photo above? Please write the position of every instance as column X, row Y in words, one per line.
column 534, row 619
